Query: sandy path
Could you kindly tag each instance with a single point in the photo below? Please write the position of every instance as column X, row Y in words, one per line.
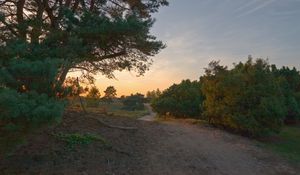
column 177, row 148
column 150, row 116
column 155, row 148
column 189, row 149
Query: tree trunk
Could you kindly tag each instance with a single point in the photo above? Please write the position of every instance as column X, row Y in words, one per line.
column 36, row 30
column 20, row 18
column 62, row 76
column 78, row 93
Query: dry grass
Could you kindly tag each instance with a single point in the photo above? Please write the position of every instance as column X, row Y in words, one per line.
column 112, row 109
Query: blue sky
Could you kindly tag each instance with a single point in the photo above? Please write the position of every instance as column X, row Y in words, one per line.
column 199, row 31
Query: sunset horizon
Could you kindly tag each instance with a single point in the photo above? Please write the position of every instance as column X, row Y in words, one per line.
column 150, row 87
column 228, row 31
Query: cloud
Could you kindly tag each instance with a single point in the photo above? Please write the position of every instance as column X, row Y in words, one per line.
column 246, row 5
column 257, row 6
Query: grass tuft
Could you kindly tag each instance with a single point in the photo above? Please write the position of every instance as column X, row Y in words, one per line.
column 76, row 139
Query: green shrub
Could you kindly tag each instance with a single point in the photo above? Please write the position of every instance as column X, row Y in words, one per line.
column 76, row 139
column 134, row 102
column 247, row 98
column 289, row 81
column 180, row 100
column 152, row 95
column 29, row 108
column 20, row 113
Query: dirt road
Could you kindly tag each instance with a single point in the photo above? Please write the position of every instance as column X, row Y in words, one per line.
column 150, row 116
column 182, row 148
column 155, row 148
column 194, row 150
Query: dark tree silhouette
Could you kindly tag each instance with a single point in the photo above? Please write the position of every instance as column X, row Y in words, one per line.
column 109, row 94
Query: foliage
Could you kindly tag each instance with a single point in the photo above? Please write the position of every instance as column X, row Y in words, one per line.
column 94, row 93
column 20, row 113
column 27, row 98
column 90, row 36
column 180, row 100
column 289, row 81
column 134, row 102
column 42, row 41
column 152, row 95
column 28, row 108
column 109, row 94
column 246, row 98
column 72, row 87
column 93, row 97
column 75, row 139
column 25, row 75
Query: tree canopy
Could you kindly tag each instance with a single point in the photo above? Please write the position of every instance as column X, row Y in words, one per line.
column 93, row 93
column 41, row 41
column 289, row 81
column 246, row 98
column 152, row 95
column 253, row 98
column 180, row 100
column 134, row 102
column 93, row 36
column 109, row 93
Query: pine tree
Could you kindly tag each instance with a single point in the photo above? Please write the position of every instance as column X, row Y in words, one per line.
column 41, row 41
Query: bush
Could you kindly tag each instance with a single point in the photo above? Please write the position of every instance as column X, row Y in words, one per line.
column 289, row 81
column 180, row 100
column 134, row 102
column 26, row 88
column 247, row 98
column 21, row 113
column 28, row 107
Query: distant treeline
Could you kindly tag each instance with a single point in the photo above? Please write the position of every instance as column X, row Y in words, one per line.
column 253, row 98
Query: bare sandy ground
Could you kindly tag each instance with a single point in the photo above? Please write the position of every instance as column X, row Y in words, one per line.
column 151, row 116
column 195, row 150
column 155, row 148
column 182, row 148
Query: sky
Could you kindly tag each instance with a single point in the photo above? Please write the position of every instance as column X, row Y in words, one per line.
column 199, row 31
